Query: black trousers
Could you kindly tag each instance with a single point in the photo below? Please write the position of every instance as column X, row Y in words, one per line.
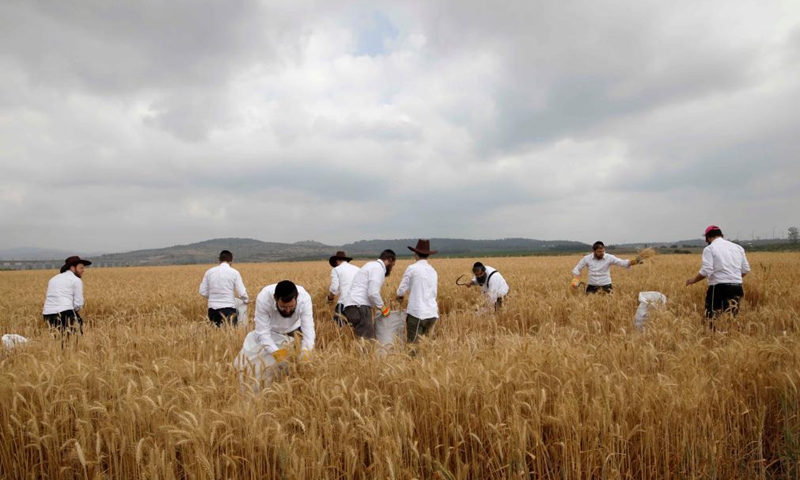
column 599, row 288
column 219, row 315
column 416, row 327
column 67, row 321
column 360, row 318
column 723, row 297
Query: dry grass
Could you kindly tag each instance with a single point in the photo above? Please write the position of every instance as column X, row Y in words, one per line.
column 557, row 386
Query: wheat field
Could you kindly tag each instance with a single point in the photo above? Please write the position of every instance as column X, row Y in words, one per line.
column 558, row 385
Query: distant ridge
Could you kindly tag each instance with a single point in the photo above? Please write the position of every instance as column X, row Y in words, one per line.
column 248, row 250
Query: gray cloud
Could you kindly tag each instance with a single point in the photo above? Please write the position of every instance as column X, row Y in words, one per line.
column 146, row 124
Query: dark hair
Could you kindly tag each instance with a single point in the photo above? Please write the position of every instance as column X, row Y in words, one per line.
column 285, row 291
column 714, row 233
column 388, row 255
column 597, row 245
column 225, row 256
column 422, row 255
column 479, row 265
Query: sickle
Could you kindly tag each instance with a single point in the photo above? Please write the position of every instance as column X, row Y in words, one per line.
column 459, row 278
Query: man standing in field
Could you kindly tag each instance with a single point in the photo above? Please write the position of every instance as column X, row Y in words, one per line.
column 493, row 285
column 365, row 294
column 724, row 265
column 218, row 286
column 342, row 273
column 599, row 264
column 284, row 310
column 420, row 281
column 65, row 296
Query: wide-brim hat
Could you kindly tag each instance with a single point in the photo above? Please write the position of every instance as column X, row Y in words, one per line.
column 72, row 261
column 423, row 247
column 340, row 255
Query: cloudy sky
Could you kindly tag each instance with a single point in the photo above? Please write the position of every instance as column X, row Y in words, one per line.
column 127, row 125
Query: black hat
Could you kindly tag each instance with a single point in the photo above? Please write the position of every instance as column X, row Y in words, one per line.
column 340, row 255
column 72, row 261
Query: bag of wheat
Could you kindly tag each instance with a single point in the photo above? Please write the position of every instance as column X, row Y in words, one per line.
column 256, row 367
column 647, row 301
column 390, row 330
column 241, row 313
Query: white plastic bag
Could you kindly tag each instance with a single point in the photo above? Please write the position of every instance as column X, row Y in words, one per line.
column 257, row 368
column 390, row 331
column 241, row 313
column 647, row 301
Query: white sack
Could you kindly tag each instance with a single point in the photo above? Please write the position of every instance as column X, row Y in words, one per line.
column 647, row 301
column 255, row 365
column 390, row 330
column 11, row 340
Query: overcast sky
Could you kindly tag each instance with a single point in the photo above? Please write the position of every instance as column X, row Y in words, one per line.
column 128, row 125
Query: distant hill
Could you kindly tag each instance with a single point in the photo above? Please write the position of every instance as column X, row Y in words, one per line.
column 248, row 250
column 32, row 253
column 460, row 246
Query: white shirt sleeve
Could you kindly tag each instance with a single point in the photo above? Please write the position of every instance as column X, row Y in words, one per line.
column 707, row 267
column 375, row 282
column 77, row 291
column 576, row 272
column 404, row 283
column 620, row 262
column 240, row 288
column 745, row 264
column 334, row 282
column 307, row 324
column 204, row 286
column 264, row 326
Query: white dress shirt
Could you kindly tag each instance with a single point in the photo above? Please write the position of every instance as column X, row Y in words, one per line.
column 341, row 279
column 64, row 292
column 599, row 270
column 219, row 284
column 269, row 321
column 495, row 287
column 724, row 262
column 366, row 286
column 422, row 281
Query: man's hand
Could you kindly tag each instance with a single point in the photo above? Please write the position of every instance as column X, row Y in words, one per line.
column 385, row 311
column 400, row 299
column 280, row 355
column 576, row 282
column 636, row 260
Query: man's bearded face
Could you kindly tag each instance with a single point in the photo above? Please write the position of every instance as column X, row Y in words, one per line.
column 286, row 309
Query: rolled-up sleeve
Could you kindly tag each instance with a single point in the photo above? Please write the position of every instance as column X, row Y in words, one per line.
column 403, row 288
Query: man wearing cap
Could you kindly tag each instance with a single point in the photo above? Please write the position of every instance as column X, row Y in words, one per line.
column 284, row 310
column 599, row 265
column 218, row 286
column 342, row 273
column 724, row 265
column 420, row 281
column 365, row 294
column 65, row 296
column 492, row 284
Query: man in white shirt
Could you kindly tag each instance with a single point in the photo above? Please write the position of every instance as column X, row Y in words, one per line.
column 724, row 265
column 365, row 294
column 421, row 282
column 65, row 296
column 342, row 273
column 218, row 286
column 599, row 265
column 284, row 310
column 492, row 284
